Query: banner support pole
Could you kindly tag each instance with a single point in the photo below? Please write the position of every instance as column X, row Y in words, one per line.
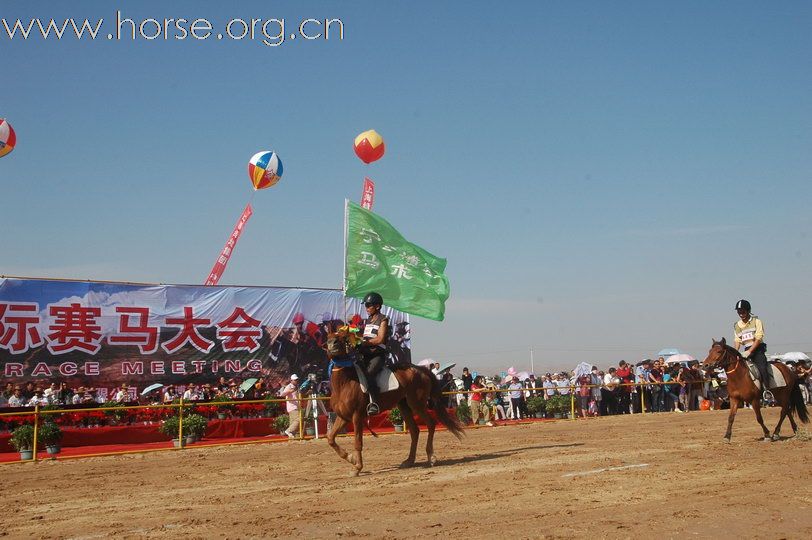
column 344, row 266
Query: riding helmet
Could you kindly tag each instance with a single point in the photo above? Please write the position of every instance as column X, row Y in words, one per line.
column 374, row 299
column 743, row 304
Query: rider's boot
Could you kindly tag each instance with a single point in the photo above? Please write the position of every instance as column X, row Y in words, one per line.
column 372, row 390
column 765, row 393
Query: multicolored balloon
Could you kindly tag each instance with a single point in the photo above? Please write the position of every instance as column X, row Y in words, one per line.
column 265, row 169
column 8, row 139
column 369, row 146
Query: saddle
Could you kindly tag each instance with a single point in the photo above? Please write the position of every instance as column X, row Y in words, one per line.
column 776, row 378
column 386, row 380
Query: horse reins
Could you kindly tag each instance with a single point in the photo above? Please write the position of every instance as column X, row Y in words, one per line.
column 738, row 360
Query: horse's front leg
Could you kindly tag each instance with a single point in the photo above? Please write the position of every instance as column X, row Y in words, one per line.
column 414, row 432
column 357, row 459
column 760, row 419
column 430, row 423
column 734, row 406
column 338, row 424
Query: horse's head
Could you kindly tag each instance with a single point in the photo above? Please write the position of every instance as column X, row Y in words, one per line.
column 720, row 355
column 341, row 342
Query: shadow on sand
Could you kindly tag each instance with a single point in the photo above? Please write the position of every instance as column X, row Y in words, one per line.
column 479, row 457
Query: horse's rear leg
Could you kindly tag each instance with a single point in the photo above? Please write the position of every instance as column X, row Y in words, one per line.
column 430, row 424
column 338, row 424
column 757, row 409
column 414, row 432
column 734, row 406
column 358, row 427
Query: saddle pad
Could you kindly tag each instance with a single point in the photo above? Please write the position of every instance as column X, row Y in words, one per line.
column 386, row 380
column 776, row 377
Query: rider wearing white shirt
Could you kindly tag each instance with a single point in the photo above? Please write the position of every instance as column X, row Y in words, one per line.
column 748, row 332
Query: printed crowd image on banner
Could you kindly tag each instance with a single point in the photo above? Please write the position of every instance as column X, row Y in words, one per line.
column 104, row 334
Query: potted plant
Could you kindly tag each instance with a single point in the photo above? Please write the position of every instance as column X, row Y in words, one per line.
column 554, row 406
column 22, row 439
column 197, row 427
column 535, row 406
column 396, row 418
column 463, row 412
column 170, row 428
column 50, row 434
column 223, row 408
column 272, row 408
column 281, row 423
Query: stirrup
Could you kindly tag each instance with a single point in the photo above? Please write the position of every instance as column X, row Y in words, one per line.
column 373, row 408
column 767, row 395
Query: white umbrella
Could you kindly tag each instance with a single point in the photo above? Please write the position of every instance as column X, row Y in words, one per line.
column 583, row 369
column 679, row 358
column 150, row 388
column 445, row 368
column 794, row 357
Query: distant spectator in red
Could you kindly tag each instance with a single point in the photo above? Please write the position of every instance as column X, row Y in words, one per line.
column 478, row 405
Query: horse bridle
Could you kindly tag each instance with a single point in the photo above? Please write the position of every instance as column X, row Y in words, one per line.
column 725, row 352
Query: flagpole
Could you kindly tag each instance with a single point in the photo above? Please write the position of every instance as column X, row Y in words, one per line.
column 344, row 268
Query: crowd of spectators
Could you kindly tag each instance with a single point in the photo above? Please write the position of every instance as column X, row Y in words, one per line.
column 652, row 386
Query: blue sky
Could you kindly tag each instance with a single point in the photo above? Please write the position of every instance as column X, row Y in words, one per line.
column 604, row 179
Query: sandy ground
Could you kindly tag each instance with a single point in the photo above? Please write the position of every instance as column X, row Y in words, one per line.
column 667, row 474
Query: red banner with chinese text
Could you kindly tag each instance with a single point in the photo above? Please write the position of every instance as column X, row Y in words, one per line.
column 222, row 260
column 368, row 195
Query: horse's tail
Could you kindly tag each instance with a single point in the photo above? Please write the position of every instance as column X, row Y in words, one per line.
column 796, row 399
column 437, row 402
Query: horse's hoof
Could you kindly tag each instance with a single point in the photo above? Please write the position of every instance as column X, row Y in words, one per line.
column 406, row 464
column 432, row 461
column 768, row 439
column 776, row 437
column 726, row 439
column 355, row 473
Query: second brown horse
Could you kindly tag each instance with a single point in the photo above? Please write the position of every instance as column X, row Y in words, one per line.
column 741, row 389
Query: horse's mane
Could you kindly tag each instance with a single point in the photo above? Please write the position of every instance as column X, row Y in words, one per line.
column 727, row 348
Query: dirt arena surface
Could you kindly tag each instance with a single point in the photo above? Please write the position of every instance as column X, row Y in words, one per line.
column 668, row 475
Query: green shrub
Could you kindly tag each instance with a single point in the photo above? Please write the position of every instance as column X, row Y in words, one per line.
column 196, row 424
column 395, row 416
column 49, row 433
column 535, row 405
column 281, row 423
column 170, row 427
column 22, row 438
column 224, row 403
column 273, row 408
column 463, row 412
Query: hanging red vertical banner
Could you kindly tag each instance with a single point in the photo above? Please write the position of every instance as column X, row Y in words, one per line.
column 368, row 195
column 222, row 260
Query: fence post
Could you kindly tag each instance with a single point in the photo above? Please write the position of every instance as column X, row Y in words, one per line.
column 301, row 415
column 642, row 400
column 36, row 429
column 180, row 425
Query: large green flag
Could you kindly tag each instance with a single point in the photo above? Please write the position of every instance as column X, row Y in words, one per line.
column 379, row 259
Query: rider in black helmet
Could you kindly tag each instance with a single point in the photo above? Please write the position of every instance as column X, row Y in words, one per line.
column 748, row 332
column 373, row 349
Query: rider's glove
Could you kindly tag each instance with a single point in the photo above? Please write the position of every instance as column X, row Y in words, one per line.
column 746, row 354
